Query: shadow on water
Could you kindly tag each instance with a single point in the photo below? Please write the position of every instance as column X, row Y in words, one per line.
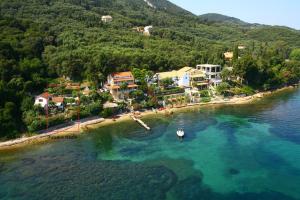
column 59, row 177
column 192, row 188
column 230, row 128
column 272, row 161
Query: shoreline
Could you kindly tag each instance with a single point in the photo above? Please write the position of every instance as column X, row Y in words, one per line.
column 94, row 123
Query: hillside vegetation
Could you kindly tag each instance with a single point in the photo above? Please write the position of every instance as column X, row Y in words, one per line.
column 45, row 39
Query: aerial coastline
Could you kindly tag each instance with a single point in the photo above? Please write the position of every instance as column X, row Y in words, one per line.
column 96, row 123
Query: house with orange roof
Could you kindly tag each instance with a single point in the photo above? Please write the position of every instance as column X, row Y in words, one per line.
column 59, row 102
column 120, row 84
column 43, row 99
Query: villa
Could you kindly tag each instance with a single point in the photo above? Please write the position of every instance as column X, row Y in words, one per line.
column 212, row 72
column 45, row 98
column 185, row 77
column 116, row 82
column 42, row 100
column 180, row 77
column 198, row 80
column 106, row 18
column 59, row 102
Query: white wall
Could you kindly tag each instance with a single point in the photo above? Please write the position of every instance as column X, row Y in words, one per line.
column 41, row 101
column 184, row 81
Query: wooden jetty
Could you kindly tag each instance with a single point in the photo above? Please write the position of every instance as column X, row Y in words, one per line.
column 143, row 124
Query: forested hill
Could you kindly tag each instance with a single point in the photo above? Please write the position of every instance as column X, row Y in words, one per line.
column 214, row 17
column 45, row 39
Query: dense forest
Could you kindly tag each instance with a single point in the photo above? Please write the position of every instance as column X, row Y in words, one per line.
column 44, row 39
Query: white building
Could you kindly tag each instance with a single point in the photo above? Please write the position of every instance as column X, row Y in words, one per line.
column 184, row 77
column 115, row 82
column 42, row 99
column 180, row 77
column 107, row 18
column 212, row 72
column 147, row 30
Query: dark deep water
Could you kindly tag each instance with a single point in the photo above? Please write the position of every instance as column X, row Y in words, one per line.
column 244, row 152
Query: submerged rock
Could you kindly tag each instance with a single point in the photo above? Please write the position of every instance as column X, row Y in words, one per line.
column 192, row 188
column 1, row 167
column 233, row 171
column 28, row 161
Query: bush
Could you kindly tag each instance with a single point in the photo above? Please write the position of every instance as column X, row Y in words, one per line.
column 37, row 125
column 107, row 112
column 205, row 100
column 94, row 108
column 247, row 90
column 204, row 93
column 171, row 91
column 53, row 121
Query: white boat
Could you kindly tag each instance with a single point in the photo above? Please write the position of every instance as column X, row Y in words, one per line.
column 180, row 133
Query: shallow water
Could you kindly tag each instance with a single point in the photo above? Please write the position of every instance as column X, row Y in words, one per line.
column 249, row 152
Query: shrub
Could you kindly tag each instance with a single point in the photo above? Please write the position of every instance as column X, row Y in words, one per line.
column 107, row 112
column 247, row 90
column 205, row 99
column 204, row 93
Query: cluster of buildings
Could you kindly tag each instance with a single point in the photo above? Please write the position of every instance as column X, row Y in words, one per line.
column 199, row 78
column 120, row 84
column 48, row 100
column 43, row 100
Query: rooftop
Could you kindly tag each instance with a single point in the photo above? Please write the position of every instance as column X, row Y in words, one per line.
column 45, row 95
column 58, row 99
column 228, row 55
column 208, row 65
column 174, row 73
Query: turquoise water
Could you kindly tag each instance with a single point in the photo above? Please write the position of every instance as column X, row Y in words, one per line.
column 247, row 152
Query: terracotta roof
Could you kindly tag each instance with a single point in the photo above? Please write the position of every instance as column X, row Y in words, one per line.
column 114, row 87
column 45, row 95
column 58, row 99
column 122, row 75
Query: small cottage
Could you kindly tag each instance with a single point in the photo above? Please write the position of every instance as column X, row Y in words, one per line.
column 42, row 99
column 106, row 18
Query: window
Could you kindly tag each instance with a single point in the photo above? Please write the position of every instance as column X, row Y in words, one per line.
column 40, row 100
column 213, row 76
column 218, row 69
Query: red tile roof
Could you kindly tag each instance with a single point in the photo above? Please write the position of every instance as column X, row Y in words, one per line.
column 45, row 95
column 58, row 99
column 115, row 87
column 122, row 76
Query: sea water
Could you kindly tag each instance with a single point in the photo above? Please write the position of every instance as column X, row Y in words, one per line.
column 248, row 152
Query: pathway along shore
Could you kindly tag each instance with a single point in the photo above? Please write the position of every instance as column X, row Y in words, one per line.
column 83, row 125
